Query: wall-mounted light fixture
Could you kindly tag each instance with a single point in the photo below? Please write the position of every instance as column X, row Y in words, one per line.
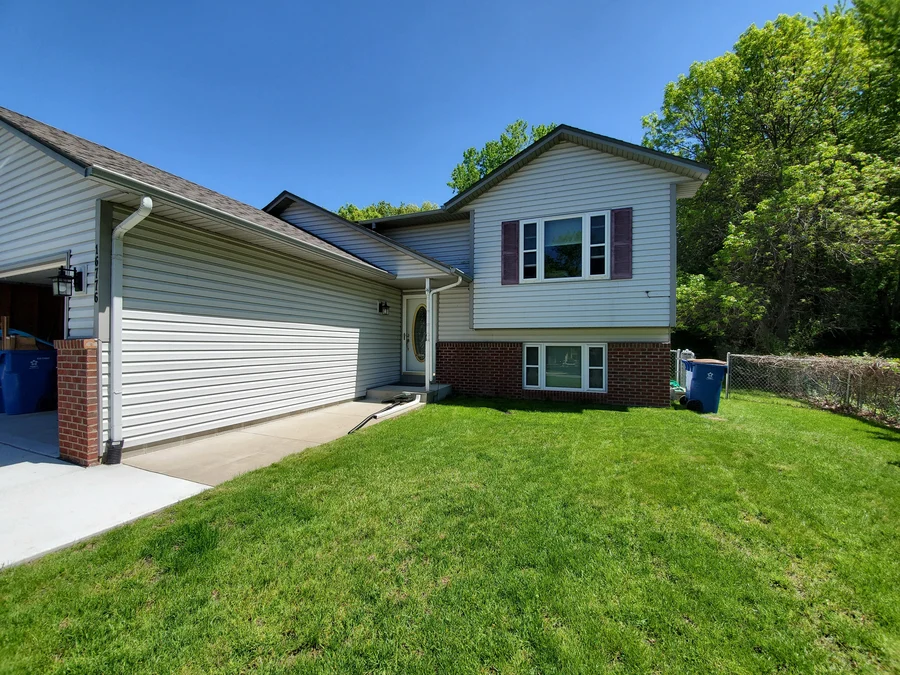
column 384, row 308
column 66, row 281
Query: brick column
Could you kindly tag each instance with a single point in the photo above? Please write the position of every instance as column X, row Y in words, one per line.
column 78, row 372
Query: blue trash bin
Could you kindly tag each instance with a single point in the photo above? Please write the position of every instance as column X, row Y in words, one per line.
column 705, row 377
column 27, row 381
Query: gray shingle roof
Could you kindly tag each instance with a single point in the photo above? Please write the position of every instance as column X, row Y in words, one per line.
column 91, row 156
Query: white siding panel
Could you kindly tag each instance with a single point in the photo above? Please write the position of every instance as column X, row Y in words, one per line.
column 47, row 208
column 218, row 333
column 448, row 242
column 104, row 391
column 453, row 326
column 573, row 179
column 358, row 243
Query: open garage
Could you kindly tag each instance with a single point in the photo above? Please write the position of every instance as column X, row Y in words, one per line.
column 35, row 318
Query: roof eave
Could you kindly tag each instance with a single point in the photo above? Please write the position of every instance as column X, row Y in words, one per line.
column 113, row 178
column 387, row 241
column 672, row 163
column 433, row 217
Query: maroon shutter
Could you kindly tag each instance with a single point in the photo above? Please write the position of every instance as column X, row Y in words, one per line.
column 621, row 244
column 509, row 252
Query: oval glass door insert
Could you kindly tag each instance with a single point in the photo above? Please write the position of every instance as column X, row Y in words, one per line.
column 418, row 332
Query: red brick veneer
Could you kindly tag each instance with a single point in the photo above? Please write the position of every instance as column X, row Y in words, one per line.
column 638, row 373
column 78, row 381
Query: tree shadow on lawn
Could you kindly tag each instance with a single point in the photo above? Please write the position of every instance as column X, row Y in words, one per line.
column 508, row 406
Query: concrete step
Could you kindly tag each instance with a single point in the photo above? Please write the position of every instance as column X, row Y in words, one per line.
column 438, row 392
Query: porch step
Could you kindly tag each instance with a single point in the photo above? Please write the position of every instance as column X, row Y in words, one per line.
column 438, row 392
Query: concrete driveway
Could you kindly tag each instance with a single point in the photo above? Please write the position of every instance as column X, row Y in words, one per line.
column 46, row 504
column 218, row 458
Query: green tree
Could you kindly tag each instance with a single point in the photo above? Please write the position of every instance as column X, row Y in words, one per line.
column 476, row 164
column 792, row 243
column 382, row 209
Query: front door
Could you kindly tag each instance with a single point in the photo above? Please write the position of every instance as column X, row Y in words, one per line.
column 414, row 322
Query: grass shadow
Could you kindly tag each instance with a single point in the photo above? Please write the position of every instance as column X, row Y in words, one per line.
column 508, row 405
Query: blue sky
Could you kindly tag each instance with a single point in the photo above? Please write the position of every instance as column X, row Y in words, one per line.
column 348, row 101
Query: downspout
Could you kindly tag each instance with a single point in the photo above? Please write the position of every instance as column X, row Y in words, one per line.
column 429, row 338
column 431, row 343
column 115, row 441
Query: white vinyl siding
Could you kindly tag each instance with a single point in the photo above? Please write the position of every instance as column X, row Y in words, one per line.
column 448, row 242
column 218, row 333
column 47, row 208
column 453, row 326
column 104, row 394
column 574, row 179
column 361, row 244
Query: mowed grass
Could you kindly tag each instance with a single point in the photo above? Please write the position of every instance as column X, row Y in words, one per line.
column 473, row 537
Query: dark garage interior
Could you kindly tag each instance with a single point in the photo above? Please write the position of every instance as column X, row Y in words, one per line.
column 33, row 309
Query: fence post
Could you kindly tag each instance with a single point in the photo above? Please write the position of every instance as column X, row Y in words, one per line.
column 727, row 374
column 847, row 397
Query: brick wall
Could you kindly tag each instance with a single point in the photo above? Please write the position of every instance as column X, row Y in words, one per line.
column 638, row 373
column 77, row 366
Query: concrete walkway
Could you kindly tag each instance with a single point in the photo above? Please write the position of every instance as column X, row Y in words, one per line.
column 46, row 504
column 218, row 458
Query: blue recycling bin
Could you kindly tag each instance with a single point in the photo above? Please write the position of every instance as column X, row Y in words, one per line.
column 27, row 381
column 705, row 377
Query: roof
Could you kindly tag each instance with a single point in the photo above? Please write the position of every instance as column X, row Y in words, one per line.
column 562, row 133
column 280, row 204
column 433, row 217
column 100, row 162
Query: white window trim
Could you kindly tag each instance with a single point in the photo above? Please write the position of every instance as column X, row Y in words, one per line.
column 585, row 365
column 585, row 247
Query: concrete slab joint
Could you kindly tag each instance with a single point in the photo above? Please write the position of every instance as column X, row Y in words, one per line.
column 78, row 381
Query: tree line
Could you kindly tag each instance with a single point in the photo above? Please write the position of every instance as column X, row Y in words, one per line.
column 793, row 243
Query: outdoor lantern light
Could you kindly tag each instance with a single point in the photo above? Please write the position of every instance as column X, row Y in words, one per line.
column 68, row 279
column 384, row 308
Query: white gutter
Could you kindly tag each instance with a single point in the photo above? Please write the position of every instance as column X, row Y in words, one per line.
column 115, row 442
column 430, row 324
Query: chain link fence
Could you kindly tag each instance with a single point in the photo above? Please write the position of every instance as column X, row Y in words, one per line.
column 869, row 387
column 677, row 371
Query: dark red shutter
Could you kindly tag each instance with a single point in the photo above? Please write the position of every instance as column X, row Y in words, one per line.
column 621, row 244
column 509, row 252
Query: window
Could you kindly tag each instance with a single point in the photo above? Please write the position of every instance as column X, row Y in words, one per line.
column 533, row 366
column 598, row 245
column 529, row 251
column 562, row 248
column 565, row 367
column 566, row 247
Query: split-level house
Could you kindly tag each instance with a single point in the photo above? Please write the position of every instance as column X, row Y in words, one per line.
column 553, row 277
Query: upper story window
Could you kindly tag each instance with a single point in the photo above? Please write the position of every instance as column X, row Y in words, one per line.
column 565, row 247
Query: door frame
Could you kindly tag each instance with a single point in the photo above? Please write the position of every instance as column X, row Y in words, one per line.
column 405, row 325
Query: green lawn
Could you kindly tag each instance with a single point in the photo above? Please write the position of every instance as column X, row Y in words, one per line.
column 470, row 537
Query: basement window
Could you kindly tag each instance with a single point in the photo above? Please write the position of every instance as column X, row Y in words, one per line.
column 564, row 367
